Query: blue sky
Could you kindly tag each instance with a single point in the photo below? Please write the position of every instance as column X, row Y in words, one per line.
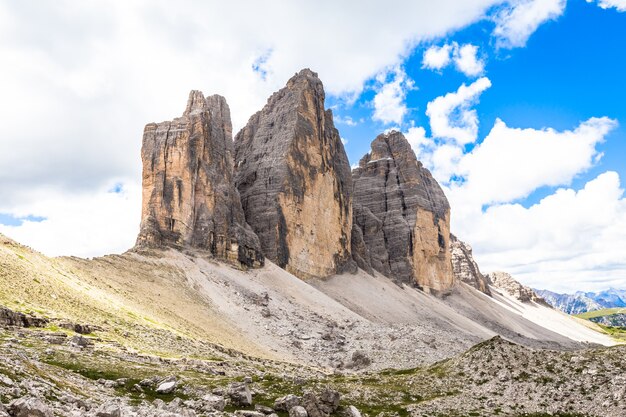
column 516, row 106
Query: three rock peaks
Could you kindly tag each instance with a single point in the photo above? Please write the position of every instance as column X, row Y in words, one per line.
column 284, row 191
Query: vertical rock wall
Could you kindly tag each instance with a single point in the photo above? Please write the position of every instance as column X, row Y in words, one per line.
column 403, row 215
column 189, row 197
column 295, row 183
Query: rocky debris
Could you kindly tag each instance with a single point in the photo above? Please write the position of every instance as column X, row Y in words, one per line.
column 287, row 402
column 189, row 197
column 14, row 318
column 359, row 360
column 109, row 409
column 80, row 341
column 215, row 402
column 29, row 407
column 264, row 409
column 507, row 283
column 294, row 179
column 167, row 386
column 403, row 215
column 240, row 394
column 248, row 413
column 464, row 267
column 323, row 405
column 298, row 411
column 79, row 328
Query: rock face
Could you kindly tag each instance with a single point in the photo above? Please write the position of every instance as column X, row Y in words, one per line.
column 189, row 197
column 507, row 283
column 294, row 179
column 464, row 267
column 403, row 215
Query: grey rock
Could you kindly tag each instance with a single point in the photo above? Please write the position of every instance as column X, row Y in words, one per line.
column 294, row 179
column 508, row 284
column 80, row 341
column 109, row 409
column 166, row 387
column 298, row 411
column 14, row 318
column 29, row 407
column 403, row 215
column 264, row 409
column 249, row 413
column 189, row 195
column 239, row 393
column 352, row 411
column 464, row 267
column 286, row 403
column 359, row 360
column 215, row 402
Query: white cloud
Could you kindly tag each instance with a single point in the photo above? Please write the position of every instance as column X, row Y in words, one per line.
column 437, row 57
column 511, row 163
column 467, row 62
column 451, row 116
column 569, row 234
column 389, row 104
column 79, row 80
column 521, row 18
column 347, row 120
column 85, row 224
column 465, row 58
column 570, row 240
column 619, row 5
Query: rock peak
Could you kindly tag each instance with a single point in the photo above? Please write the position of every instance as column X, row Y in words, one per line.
column 189, row 197
column 294, row 179
column 403, row 216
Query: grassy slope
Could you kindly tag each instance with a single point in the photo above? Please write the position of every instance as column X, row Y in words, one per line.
column 601, row 313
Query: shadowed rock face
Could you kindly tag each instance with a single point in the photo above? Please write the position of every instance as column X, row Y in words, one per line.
column 465, row 268
column 294, row 179
column 403, row 215
column 189, row 197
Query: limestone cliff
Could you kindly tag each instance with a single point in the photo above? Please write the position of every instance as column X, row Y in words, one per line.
column 464, row 267
column 189, row 197
column 507, row 283
column 294, row 179
column 403, row 215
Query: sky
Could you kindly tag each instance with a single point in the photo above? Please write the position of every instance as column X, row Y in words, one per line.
column 517, row 108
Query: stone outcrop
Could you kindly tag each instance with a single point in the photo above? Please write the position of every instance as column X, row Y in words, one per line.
column 403, row 215
column 294, row 179
column 507, row 283
column 464, row 267
column 189, row 197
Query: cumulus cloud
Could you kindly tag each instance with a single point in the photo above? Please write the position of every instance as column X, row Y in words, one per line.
column 619, row 5
column 570, row 240
column 517, row 21
column 465, row 58
column 451, row 116
column 566, row 239
column 80, row 80
column 437, row 57
column 81, row 224
column 389, row 101
column 510, row 163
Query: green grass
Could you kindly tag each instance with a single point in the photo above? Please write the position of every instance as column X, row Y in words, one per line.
column 601, row 313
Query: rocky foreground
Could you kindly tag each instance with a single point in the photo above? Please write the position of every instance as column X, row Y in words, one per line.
column 58, row 372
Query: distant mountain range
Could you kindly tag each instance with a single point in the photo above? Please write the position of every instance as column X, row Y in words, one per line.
column 581, row 302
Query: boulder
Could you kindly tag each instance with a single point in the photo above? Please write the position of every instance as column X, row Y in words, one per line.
column 215, row 402
column 14, row 318
column 298, row 411
column 109, row 409
column 294, row 179
column 166, row 387
column 239, row 394
column 403, row 215
column 189, row 197
column 29, row 407
column 287, row 402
